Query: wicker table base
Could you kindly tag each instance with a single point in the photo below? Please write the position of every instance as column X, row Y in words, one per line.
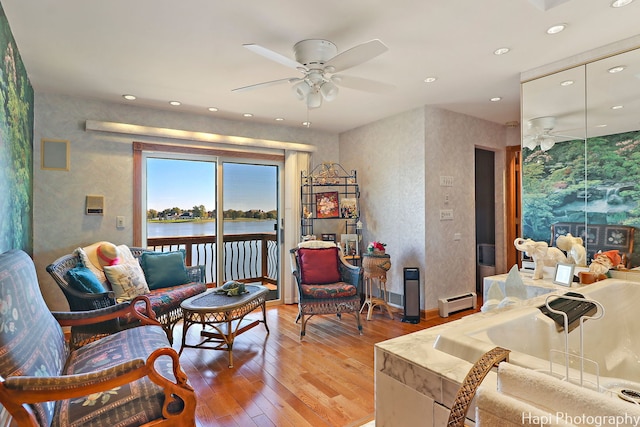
column 221, row 317
column 375, row 268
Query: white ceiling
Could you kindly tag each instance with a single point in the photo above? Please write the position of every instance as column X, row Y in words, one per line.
column 191, row 51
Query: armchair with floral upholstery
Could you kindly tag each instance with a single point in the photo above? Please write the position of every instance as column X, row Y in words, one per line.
column 327, row 283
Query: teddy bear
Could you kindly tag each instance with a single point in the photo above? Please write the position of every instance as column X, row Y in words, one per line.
column 574, row 247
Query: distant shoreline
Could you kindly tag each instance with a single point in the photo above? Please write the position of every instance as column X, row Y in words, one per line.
column 175, row 221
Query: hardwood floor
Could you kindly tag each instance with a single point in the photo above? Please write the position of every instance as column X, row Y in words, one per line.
column 327, row 379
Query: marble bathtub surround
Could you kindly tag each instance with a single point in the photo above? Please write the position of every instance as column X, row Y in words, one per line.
column 417, row 379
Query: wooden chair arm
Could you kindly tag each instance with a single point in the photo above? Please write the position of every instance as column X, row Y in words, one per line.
column 81, row 318
column 17, row 392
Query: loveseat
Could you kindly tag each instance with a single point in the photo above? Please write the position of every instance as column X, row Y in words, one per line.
column 169, row 281
column 130, row 378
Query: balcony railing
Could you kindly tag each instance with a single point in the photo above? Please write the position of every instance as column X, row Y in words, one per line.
column 248, row 258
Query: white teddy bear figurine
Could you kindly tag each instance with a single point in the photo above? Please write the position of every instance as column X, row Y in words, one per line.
column 573, row 246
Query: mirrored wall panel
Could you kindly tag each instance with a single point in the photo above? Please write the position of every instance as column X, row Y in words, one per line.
column 581, row 155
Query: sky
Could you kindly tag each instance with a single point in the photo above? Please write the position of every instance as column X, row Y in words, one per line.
column 188, row 183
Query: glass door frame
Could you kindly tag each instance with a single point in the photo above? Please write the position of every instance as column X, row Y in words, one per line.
column 279, row 219
column 142, row 150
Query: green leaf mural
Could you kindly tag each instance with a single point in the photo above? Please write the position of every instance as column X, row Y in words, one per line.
column 555, row 187
column 16, row 146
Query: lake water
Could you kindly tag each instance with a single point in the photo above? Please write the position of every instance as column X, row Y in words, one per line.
column 207, row 228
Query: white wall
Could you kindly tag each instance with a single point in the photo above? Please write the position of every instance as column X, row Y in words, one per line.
column 399, row 161
column 103, row 164
column 389, row 158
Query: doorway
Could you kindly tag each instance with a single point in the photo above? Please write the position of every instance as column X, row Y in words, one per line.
column 485, row 216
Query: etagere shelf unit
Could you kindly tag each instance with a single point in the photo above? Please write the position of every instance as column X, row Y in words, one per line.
column 330, row 202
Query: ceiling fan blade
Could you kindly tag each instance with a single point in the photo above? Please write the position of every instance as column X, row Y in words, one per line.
column 356, row 55
column 266, row 84
column 275, row 56
column 359, row 83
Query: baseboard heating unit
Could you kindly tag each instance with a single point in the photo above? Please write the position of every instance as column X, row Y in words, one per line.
column 446, row 306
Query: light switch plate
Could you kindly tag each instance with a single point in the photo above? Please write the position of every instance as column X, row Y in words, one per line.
column 446, row 214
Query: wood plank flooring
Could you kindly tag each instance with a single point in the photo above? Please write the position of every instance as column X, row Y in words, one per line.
column 327, row 379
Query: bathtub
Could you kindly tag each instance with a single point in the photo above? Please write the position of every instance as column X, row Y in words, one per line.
column 612, row 342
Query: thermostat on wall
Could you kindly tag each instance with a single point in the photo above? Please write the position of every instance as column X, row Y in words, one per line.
column 95, row 205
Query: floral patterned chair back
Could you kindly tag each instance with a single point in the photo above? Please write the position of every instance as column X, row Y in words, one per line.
column 31, row 339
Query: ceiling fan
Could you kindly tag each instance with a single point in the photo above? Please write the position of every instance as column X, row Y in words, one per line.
column 318, row 60
column 540, row 132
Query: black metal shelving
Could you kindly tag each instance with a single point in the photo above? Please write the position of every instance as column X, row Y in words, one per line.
column 327, row 180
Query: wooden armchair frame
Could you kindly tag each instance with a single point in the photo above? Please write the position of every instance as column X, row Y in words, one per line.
column 17, row 392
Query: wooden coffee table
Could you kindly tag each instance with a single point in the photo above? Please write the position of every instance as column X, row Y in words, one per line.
column 221, row 317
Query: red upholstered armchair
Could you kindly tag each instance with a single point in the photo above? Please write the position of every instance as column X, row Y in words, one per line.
column 327, row 283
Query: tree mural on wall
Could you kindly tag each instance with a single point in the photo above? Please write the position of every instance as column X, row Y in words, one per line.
column 16, row 146
column 555, row 187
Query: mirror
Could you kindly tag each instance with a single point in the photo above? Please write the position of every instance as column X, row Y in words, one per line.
column 581, row 150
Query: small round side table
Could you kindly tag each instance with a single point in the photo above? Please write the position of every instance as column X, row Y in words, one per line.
column 375, row 266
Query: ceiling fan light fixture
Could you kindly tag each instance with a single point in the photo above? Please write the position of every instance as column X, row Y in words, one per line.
column 301, row 90
column 314, row 100
column 529, row 142
column 547, row 142
column 329, row 91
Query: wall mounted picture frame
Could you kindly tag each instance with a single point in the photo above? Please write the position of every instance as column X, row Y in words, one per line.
column 54, row 154
column 327, row 205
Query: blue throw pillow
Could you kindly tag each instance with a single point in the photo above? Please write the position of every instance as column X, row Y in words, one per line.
column 164, row 269
column 84, row 280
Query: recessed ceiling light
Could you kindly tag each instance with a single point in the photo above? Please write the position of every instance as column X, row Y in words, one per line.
column 555, row 29
column 496, row 99
column 617, row 107
column 279, row 119
column 567, row 83
column 617, row 69
column 501, row 51
column 306, row 124
column 174, row 103
column 247, row 115
column 129, row 97
column 601, row 126
column 430, row 79
column 212, row 109
column 620, row 3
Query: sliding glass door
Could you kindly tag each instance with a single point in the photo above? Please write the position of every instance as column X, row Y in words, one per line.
column 223, row 214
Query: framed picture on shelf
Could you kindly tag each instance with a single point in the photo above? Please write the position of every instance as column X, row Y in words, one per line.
column 329, row 237
column 349, row 243
column 327, row 205
column 348, row 207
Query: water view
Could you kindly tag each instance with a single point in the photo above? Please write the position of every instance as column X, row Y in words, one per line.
column 207, row 228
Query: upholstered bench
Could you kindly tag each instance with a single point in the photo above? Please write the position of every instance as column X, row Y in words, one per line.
column 168, row 280
column 130, row 378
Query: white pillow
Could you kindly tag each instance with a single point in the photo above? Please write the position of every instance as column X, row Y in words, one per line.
column 127, row 280
column 125, row 255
